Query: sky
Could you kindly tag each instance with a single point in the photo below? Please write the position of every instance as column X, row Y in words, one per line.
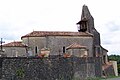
column 20, row 17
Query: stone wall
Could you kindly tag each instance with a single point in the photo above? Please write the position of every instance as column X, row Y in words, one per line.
column 52, row 68
column 56, row 43
column 15, row 51
column 1, row 60
column 109, row 71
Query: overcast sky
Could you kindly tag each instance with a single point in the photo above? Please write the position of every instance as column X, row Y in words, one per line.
column 19, row 17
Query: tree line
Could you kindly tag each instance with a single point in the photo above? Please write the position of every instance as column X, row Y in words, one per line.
column 115, row 58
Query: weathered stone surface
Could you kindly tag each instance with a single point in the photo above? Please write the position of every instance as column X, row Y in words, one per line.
column 56, row 43
column 52, row 68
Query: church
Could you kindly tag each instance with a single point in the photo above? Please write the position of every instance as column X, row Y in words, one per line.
column 85, row 42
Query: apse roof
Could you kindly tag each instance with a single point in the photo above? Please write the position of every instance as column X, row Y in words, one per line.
column 76, row 46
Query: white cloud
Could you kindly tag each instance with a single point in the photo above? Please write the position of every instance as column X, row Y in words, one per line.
column 110, row 36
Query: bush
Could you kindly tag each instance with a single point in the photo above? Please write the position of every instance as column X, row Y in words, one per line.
column 20, row 73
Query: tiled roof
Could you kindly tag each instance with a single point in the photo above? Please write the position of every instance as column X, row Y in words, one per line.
column 14, row 44
column 76, row 46
column 55, row 33
column 105, row 66
column 44, row 49
column 104, row 49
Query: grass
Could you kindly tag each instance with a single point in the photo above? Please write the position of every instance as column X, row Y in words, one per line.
column 98, row 78
column 89, row 78
column 94, row 78
column 110, row 77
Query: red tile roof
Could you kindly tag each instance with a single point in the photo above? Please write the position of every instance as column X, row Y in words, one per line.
column 14, row 44
column 105, row 66
column 76, row 46
column 104, row 49
column 55, row 33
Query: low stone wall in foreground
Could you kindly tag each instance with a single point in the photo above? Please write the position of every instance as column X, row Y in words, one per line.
column 52, row 68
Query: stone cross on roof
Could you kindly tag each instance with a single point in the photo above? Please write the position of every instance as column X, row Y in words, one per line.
column 1, row 42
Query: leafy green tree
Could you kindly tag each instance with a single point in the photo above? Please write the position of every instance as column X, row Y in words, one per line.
column 115, row 58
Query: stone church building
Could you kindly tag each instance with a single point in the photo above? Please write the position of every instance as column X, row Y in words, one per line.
column 85, row 42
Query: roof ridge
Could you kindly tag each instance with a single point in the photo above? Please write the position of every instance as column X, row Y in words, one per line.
column 75, row 46
column 55, row 33
column 15, row 44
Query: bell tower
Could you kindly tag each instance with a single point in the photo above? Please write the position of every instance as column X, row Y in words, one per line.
column 82, row 25
column 87, row 21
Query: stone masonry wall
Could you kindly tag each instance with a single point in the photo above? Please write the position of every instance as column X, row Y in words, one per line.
column 12, row 51
column 52, row 68
column 56, row 43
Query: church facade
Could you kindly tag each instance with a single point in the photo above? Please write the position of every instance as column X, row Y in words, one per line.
column 85, row 42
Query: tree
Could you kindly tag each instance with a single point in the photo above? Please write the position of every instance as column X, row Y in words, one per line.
column 115, row 58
